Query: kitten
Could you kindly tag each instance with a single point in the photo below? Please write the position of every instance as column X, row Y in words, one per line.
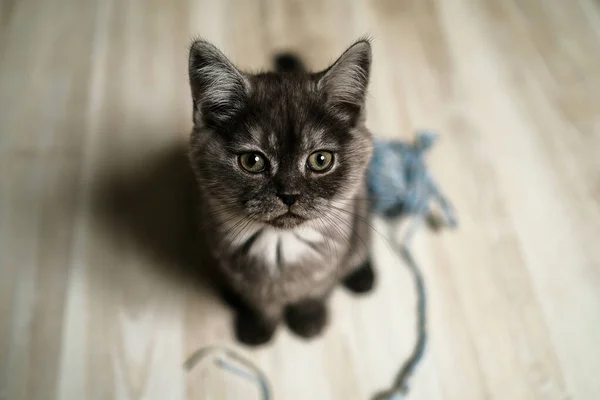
column 281, row 160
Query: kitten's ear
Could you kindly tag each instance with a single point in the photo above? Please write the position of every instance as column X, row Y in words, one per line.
column 219, row 89
column 345, row 82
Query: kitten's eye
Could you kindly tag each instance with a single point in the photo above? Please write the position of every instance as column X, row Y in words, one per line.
column 320, row 161
column 252, row 162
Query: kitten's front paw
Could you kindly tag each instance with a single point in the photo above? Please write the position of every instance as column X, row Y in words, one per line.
column 361, row 280
column 231, row 299
column 252, row 330
column 307, row 318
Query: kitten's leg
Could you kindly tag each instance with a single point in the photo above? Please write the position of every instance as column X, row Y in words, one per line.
column 252, row 327
column 307, row 318
column 362, row 279
column 255, row 328
column 231, row 298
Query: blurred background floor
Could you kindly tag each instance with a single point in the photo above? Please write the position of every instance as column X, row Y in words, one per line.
column 96, row 299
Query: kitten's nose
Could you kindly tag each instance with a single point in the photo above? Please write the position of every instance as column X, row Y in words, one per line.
column 288, row 199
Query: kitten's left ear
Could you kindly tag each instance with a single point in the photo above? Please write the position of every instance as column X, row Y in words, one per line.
column 345, row 82
column 219, row 89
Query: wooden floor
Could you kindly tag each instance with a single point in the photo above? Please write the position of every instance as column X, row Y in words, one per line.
column 97, row 297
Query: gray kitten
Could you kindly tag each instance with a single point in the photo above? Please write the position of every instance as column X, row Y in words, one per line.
column 281, row 160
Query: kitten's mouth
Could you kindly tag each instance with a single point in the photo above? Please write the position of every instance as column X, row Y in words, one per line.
column 287, row 220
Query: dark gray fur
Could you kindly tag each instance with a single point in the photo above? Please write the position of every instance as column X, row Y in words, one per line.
column 285, row 115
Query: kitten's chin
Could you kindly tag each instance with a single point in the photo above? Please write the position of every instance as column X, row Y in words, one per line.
column 286, row 221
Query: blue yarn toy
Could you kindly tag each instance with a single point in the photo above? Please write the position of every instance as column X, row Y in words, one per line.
column 400, row 183
column 400, row 186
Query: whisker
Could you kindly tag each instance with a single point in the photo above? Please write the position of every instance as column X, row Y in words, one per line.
column 216, row 221
column 351, row 226
column 308, row 243
column 329, row 242
column 333, row 241
column 245, row 248
column 234, row 228
column 337, row 228
column 241, row 231
column 340, row 231
column 366, row 222
column 233, row 238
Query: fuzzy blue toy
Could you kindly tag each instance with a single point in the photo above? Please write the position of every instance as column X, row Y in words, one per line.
column 400, row 186
column 400, row 183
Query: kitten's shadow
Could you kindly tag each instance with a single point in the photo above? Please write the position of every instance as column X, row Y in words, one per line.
column 152, row 202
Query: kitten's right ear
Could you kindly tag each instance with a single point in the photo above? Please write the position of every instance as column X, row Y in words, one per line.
column 219, row 89
column 345, row 82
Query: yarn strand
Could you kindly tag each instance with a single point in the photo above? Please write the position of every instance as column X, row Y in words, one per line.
column 401, row 385
column 401, row 186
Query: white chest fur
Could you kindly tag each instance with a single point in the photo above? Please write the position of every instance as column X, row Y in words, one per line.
column 278, row 248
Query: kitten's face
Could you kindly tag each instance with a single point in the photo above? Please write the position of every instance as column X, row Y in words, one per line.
column 280, row 149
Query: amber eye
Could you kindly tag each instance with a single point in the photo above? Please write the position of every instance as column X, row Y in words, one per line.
column 252, row 162
column 320, row 161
